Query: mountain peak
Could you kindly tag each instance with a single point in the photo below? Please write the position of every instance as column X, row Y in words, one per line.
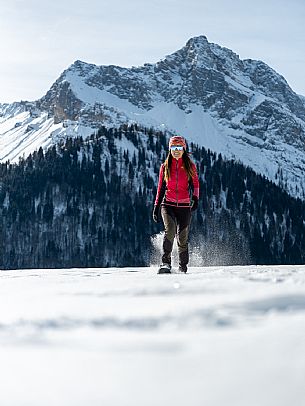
column 197, row 41
column 202, row 53
column 81, row 67
column 202, row 90
column 198, row 45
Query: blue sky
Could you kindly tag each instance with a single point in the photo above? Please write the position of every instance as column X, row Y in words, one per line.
column 41, row 39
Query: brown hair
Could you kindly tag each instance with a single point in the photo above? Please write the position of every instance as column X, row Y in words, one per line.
column 187, row 163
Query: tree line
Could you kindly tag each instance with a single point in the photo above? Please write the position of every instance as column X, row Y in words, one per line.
column 88, row 202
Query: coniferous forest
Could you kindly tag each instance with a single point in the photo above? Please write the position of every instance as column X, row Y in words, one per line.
column 88, row 203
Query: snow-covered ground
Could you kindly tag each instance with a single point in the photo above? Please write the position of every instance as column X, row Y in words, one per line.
column 127, row 336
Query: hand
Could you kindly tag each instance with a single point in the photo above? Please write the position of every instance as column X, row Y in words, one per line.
column 156, row 214
column 194, row 203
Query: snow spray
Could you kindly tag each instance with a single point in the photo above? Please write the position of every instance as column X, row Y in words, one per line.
column 212, row 250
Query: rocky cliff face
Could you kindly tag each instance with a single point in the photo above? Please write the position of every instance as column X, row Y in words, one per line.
column 241, row 108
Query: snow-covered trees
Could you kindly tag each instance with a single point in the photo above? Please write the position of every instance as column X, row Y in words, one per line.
column 89, row 202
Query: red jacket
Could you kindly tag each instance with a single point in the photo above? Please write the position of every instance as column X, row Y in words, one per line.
column 176, row 192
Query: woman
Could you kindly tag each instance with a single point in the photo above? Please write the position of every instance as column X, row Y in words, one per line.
column 177, row 195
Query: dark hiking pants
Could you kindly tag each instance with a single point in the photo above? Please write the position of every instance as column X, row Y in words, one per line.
column 176, row 223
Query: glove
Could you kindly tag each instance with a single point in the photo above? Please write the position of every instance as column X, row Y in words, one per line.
column 156, row 214
column 194, row 203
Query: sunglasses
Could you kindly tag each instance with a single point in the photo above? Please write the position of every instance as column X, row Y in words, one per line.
column 176, row 148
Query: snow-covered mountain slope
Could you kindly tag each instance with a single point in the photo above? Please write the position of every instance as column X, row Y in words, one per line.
column 241, row 108
column 216, row 336
column 24, row 128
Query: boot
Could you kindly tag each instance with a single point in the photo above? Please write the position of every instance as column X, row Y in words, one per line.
column 165, row 268
column 183, row 268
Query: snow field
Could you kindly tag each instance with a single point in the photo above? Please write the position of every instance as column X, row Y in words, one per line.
column 127, row 336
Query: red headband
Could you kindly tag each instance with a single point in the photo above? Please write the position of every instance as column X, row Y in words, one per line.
column 177, row 140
